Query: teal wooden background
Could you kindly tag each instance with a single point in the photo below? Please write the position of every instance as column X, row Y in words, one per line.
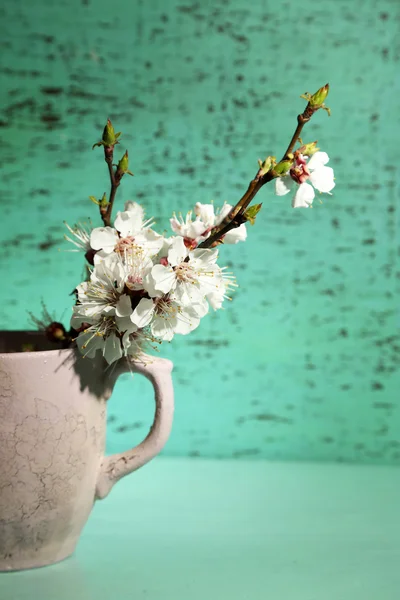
column 304, row 364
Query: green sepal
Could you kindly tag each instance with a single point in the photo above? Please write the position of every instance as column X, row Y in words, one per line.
column 282, row 167
column 103, row 202
column 123, row 165
column 308, row 149
column 267, row 164
column 251, row 213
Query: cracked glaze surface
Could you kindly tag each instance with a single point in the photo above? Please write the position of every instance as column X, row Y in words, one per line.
column 52, row 438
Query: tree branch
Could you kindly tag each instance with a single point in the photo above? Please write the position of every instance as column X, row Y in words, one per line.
column 235, row 217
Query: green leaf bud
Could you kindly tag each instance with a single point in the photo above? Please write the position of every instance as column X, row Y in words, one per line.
column 251, row 213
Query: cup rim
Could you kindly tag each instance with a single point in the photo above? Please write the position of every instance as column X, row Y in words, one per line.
column 36, row 353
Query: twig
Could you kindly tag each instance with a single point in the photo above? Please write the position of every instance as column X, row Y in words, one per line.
column 235, row 217
column 115, row 180
column 301, row 121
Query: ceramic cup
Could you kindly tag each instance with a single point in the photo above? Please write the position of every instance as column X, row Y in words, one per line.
column 52, row 439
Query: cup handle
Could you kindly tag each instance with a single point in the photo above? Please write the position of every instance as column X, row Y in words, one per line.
column 116, row 466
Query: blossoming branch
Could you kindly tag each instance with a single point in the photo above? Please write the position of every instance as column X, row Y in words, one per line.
column 144, row 288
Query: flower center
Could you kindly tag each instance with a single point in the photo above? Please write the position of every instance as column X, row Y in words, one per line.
column 299, row 172
column 185, row 273
column 190, row 243
column 103, row 329
column 134, row 282
column 165, row 307
column 124, row 244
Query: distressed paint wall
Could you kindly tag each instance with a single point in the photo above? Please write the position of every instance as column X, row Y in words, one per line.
column 305, row 361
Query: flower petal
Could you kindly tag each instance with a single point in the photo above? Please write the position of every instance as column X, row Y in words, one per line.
column 123, row 224
column 209, row 282
column 304, row 196
column 190, row 294
column 239, row 234
column 318, row 159
column 222, row 213
column 100, row 256
column 186, row 321
column 162, row 328
column 112, row 348
column 82, row 290
column 132, row 346
column 135, row 209
column 205, row 212
column 164, row 278
column 129, row 221
column 88, row 343
column 149, row 285
column 109, row 273
column 200, row 307
column 195, row 229
column 216, row 299
column 178, row 252
column 323, row 179
column 166, row 245
column 124, row 306
column 191, row 297
column 90, row 311
column 203, row 258
column 79, row 317
column 151, row 241
column 176, row 225
column 125, row 325
column 283, row 185
column 143, row 313
column 103, row 238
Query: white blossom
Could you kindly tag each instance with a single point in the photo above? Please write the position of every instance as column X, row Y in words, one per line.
column 187, row 228
column 137, row 294
column 135, row 344
column 102, row 296
column 196, row 231
column 93, row 339
column 205, row 212
column 132, row 226
column 190, row 275
column 315, row 171
column 165, row 316
column 105, row 304
column 103, row 334
column 130, row 229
